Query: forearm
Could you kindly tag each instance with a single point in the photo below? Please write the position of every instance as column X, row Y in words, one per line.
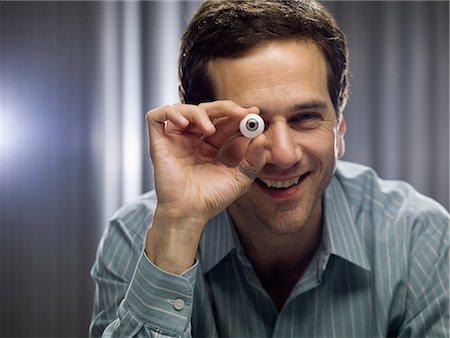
column 129, row 287
column 156, row 304
column 170, row 246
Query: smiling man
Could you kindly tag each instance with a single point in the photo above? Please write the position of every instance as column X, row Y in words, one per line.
column 270, row 236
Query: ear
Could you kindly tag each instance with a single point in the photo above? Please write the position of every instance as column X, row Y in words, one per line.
column 340, row 142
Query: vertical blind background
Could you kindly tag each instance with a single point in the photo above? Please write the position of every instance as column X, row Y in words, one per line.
column 76, row 79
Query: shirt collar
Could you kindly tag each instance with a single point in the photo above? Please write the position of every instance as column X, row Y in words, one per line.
column 219, row 238
column 340, row 236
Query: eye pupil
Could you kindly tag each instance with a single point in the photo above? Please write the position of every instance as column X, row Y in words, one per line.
column 252, row 125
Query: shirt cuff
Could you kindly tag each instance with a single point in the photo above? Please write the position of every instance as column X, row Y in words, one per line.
column 161, row 299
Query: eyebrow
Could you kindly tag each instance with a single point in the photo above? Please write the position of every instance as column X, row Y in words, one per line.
column 315, row 104
column 312, row 104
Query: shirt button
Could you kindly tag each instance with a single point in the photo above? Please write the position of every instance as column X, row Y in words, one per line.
column 178, row 304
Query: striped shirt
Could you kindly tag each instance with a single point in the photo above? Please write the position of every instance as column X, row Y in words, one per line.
column 381, row 270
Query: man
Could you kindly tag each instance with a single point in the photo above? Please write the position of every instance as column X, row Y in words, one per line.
column 268, row 236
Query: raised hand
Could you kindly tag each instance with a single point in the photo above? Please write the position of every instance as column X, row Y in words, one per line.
column 198, row 155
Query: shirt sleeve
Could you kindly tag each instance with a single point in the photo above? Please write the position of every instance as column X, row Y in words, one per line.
column 134, row 298
column 427, row 302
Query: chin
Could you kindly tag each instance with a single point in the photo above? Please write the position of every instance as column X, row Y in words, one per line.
column 253, row 214
column 285, row 223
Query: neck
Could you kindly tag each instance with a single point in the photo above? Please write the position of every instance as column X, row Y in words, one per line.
column 279, row 260
column 287, row 251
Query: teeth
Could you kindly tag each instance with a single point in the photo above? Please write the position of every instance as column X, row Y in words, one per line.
column 280, row 184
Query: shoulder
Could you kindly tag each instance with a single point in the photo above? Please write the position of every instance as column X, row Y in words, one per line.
column 123, row 239
column 395, row 221
column 138, row 214
column 126, row 229
column 405, row 235
column 391, row 200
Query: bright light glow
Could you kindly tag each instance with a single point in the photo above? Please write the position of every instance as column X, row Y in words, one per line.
column 111, row 112
column 133, row 116
column 16, row 135
column 169, row 28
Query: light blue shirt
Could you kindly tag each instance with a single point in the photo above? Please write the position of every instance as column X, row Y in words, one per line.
column 382, row 269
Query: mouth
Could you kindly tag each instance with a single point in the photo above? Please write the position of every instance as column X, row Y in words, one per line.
column 282, row 184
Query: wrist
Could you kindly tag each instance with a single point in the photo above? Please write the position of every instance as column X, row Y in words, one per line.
column 171, row 244
column 170, row 217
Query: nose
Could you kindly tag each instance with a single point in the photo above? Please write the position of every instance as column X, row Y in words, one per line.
column 284, row 151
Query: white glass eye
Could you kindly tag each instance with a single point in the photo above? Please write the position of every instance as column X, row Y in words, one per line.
column 251, row 126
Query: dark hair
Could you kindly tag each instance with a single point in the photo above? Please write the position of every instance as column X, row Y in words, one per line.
column 228, row 28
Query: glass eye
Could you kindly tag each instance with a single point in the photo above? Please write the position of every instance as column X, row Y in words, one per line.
column 251, row 126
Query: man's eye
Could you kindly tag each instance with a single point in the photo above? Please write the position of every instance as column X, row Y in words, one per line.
column 306, row 120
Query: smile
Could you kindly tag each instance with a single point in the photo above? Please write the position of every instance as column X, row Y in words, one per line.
column 280, row 184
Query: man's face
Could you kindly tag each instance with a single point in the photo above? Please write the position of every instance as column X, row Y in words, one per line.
column 287, row 81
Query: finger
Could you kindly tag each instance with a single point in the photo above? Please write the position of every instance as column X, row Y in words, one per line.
column 254, row 160
column 182, row 113
column 226, row 129
column 204, row 112
column 195, row 119
column 166, row 113
column 219, row 112
column 225, row 108
column 171, row 118
column 247, row 171
column 157, row 121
